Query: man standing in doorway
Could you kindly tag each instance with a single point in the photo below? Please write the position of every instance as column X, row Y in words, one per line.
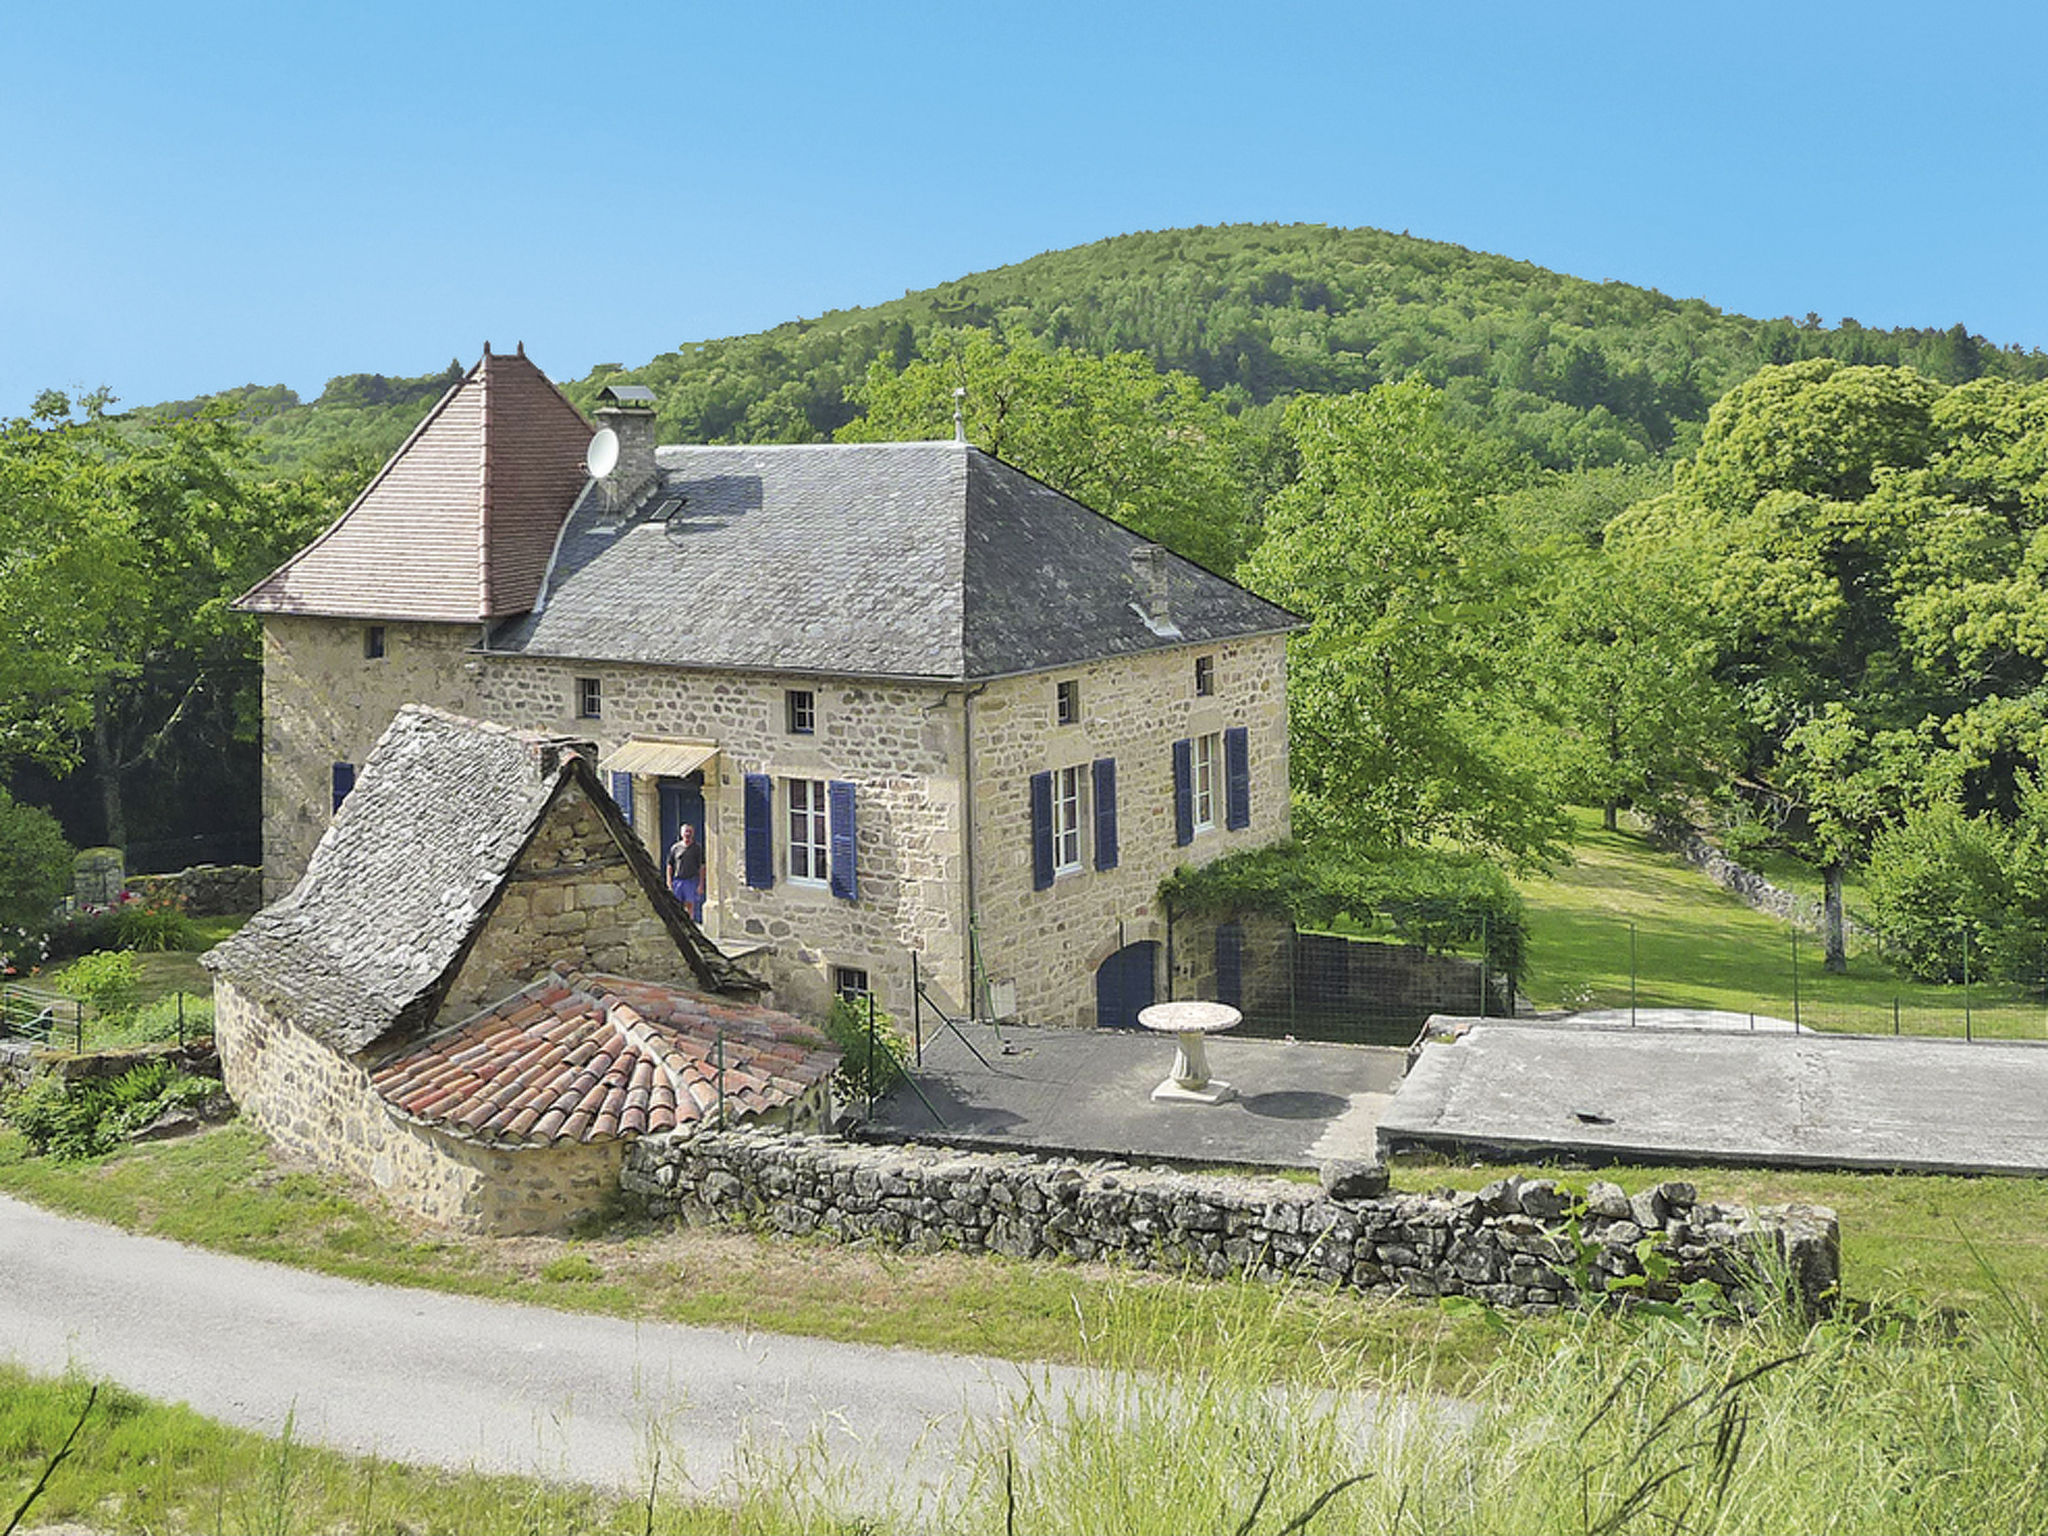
column 686, row 872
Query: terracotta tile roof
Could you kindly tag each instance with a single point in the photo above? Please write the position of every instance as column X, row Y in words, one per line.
column 460, row 523
column 375, row 931
column 587, row 1058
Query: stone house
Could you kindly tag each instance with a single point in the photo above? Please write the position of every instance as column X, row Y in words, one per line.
column 480, row 991
column 922, row 709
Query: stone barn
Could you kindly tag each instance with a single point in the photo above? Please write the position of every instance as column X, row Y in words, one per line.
column 480, row 990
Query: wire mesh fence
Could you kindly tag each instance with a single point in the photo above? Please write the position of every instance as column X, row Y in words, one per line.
column 1636, row 973
column 1311, row 985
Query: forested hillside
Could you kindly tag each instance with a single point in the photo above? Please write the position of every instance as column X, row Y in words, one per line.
column 1558, row 371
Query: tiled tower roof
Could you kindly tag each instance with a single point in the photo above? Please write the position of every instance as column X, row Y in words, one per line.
column 460, row 522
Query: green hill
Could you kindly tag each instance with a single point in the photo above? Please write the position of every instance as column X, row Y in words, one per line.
column 1559, row 372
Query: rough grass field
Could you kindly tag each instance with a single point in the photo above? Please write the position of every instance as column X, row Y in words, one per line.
column 1696, row 946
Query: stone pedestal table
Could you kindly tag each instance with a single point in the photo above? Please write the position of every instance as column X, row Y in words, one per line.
column 1191, row 1023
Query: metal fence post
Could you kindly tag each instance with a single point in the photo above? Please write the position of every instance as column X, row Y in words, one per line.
column 916, row 1009
column 1485, row 962
column 1895, row 1015
column 1966, row 983
column 78, row 1027
column 718, row 1045
column 870, row 1074
column 1632, row 975
column 1795, row 981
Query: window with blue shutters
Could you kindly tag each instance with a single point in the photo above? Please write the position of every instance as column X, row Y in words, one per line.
column 343, row 780
column 1105, row 813
column 1184, row 791
column 622, row 795
column 845, row 884
column 759, row 821
column 1041, row 831
column 1237, row 779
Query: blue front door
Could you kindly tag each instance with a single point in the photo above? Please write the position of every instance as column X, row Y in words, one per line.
column 1124, row 984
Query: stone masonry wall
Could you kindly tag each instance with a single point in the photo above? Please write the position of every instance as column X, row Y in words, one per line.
column 325, row 703
column 1509, row 1244
column 1050, row 942
column 207, row 890
column 320, row 1106
column 903, row 746
column 898, row 745
column 570, row 901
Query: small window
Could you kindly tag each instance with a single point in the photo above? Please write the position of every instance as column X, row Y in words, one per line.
column 341, row 779
column 803, row 711
column 1208, row 773
column 373, row 643
column 1066, row 821
column 589, row 698
column 851, row 983
column 1205, row 676
column 809, row 845
column 1066, row 707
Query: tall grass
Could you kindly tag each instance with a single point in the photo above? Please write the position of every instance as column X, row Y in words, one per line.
column 1878, row 1422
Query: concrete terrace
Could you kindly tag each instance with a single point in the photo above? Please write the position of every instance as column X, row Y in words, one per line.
column 1693, row 1093
column 1087, row 1093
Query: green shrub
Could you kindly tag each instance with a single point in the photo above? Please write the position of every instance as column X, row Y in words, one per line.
column 872, row 1060
column 35, row 866
column 105, row 980
column 153, row 924
column 1938, row 893
column 90, row 1117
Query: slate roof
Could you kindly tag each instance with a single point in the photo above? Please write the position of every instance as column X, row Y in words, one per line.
column 592, row 1058
column 913, row 560
column 400, row 884
column 460, row 522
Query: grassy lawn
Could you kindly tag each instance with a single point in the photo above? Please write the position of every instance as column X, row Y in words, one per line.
column 1697, row 946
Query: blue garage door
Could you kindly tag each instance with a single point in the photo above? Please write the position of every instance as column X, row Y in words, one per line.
column 1123, row 985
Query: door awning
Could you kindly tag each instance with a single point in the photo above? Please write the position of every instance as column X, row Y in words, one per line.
column 660, row 756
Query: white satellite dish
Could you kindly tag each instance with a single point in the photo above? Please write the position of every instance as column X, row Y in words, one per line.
column 602, row 456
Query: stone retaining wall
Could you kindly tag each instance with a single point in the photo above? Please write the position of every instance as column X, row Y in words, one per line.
column 1510, row 1245
column 1753, row 889
column 207, row 890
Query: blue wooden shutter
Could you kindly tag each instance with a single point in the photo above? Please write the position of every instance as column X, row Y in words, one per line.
column 845, row 885
column 1041, row 831
column 622, row 795
column 1237, row 779
column 1105, row 813
column 1183, row 792
column 1230, row 963
column 760, row 831
column 344, row 781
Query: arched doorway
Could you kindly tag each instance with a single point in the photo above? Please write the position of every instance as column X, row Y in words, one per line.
column 1124, row 983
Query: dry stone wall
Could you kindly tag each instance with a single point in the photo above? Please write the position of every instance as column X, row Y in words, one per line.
column 206, row 890
column 1526, row 1245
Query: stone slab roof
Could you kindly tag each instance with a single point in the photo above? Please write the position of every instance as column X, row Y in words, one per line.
column 911, row 560
column 400, row 884
column 460, row 522
column 591, row 1058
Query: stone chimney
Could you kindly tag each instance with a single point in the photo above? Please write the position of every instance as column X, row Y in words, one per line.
column 628, row 409
column 1154, row 604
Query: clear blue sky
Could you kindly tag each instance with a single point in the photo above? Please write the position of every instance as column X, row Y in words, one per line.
column 202, row 195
